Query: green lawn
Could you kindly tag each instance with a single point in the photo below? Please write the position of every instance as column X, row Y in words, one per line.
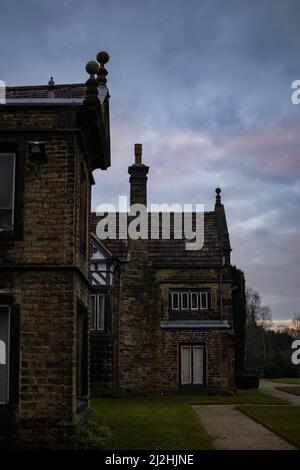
column 157, row 423
column 249, row 397
column 286, row 381
column 284, row 421
column 292, row 390
column 151, row 423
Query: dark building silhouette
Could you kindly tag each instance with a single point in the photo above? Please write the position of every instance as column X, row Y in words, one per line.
column 162, row 314
column 159, row 316
column 51, row 139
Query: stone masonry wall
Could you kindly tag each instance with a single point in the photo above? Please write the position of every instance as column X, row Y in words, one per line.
column 149, row 355
column 40, row 271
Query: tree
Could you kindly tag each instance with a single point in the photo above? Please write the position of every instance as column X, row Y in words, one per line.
column 264, row 321
column 258, row 322
column 296, row 324
column 239, row 317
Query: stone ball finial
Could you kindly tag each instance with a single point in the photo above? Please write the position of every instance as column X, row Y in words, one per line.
column 218, row 191
column 92, row 67
column 102, row 57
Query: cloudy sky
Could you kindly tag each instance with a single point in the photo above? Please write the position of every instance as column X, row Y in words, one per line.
column 205, row 85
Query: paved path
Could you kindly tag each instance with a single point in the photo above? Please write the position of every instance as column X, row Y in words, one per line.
column 271, row 388
column 230, row 429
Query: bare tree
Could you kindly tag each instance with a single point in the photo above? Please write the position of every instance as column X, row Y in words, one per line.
column 264, row 317
column 264, row 320
column 296, row 324
column 258, row 322
column 253, row 305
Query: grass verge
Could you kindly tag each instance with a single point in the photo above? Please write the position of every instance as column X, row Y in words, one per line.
column 292, row 390
column 154, row 423
column 286, row 381
column 157, row 422
column 284, row 421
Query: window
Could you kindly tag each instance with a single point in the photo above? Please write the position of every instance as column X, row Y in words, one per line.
column 175, row 301
column 83, row 210
column 185, row 300
column 98, row 311
column 203, row 300
column 192, row 365
column 7, row 191
column 4, row 353
column 193, row 300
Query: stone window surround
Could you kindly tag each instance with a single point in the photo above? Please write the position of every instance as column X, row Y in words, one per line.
column 179, row 295
column 192, row 386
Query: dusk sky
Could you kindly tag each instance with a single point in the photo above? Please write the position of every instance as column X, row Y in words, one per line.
column 205, row 86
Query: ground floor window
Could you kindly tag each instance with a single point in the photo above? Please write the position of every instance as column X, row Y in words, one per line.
column 4, row 353
column 192, row 365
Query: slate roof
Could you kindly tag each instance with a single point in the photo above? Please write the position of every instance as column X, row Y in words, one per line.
column 73, row 90
column 172, row 252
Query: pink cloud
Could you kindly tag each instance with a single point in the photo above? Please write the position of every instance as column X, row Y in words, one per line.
column 274, row 150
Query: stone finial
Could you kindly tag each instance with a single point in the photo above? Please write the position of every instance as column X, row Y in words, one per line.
column 91, row 94
column 138, row 154
column 102, row 58
column 51, row 88
column 218, row 197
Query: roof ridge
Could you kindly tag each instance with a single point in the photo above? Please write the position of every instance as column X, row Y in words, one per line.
column 94, row 214
column 41, row 87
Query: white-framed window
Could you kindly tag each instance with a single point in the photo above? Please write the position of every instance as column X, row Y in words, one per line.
column 203, row 300
column 186, row 365
column 175, row 301
column 98, row 312
column 185, row 297
column 7, row 190
column 194, row 301
column 192, row 365
column 4, row 353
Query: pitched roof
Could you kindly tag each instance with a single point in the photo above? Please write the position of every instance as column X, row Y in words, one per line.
column 173, row 252
column 73, row 90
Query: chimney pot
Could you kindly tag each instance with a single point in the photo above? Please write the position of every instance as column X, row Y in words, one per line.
column 138, row 154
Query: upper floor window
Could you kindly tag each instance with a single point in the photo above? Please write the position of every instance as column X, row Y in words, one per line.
column 193, row 300
column 7, row 191
column 98, row 312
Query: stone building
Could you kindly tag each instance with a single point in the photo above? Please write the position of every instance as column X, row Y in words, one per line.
column 162, row 317
column 51, row 139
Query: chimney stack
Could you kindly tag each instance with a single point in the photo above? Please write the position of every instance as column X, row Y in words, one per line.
column 138, row 178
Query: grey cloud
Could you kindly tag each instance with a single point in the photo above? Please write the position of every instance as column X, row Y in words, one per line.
column 205, row 85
